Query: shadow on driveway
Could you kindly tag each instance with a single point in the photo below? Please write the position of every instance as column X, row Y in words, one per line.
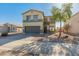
column 13, row 37
column 17, row 36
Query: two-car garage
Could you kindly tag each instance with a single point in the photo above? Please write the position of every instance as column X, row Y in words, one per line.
column 32, row 29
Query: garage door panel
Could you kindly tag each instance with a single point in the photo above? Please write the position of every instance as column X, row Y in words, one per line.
column 33, row 29
column 27, row 29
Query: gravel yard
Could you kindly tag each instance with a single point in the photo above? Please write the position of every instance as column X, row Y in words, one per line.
column 43, row 48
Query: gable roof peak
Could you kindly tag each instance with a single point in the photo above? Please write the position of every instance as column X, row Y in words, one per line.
column 32, row 10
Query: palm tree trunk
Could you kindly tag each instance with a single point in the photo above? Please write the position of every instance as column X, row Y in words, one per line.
column 54, row 26
column 60, row 30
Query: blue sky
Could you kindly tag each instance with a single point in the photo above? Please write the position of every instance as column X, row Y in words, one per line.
column 12, row 12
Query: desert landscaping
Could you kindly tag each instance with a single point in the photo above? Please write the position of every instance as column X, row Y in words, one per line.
column 36, row 45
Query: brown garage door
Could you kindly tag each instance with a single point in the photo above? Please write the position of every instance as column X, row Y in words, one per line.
column 32, row 29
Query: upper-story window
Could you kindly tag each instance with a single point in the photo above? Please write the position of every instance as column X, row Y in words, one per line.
column 32, row 18
column 28, row 18
column 35, row 17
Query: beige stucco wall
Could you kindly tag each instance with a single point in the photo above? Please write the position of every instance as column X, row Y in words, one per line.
column 33, row 13
column 19, row 29
column 34, row 24
column 74, row 24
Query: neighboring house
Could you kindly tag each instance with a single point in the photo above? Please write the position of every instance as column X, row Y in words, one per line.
column 48, row 24
column 74, row 24
column 34, row 21
column 19, row 29
column 11, row 27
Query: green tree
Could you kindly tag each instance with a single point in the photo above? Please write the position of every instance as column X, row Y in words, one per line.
column 55, row 14
column 67, row 11
column 60, row 19
column 62, row 14
column 65, row 14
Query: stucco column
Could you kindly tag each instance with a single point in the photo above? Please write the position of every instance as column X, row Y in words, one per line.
column 41, row 29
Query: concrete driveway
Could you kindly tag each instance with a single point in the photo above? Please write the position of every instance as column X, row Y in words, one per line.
column 15, row 37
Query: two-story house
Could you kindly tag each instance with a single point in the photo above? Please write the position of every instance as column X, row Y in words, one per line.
column 34, row 21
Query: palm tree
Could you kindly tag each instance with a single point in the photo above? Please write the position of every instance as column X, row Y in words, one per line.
column 65, row 14
column 67, row 11
column 54, row 17
column 60, row 19
column 57, row 16
column 62, row 14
